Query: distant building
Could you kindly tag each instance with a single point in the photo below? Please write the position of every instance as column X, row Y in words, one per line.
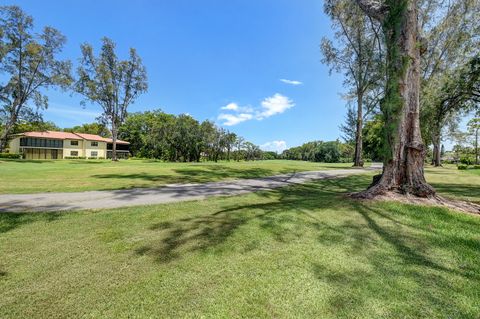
column 60, row 145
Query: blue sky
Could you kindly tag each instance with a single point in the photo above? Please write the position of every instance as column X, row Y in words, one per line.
column 202, row 56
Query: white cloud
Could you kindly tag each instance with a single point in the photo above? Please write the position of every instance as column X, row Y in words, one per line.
column 234, row 119
column 276, row 104
column 291, row 82
column 230, row 107
column 272, row 105
column 274, row 146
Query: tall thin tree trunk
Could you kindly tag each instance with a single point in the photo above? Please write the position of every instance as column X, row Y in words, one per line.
column 404, row 159
column 437, row 148
column 434, row 153
column 358, row 162
column 476, row 147
column 114, row 142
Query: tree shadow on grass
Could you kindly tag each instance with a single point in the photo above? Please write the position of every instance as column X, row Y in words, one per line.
column 294, row 205
column 10, row 221
column 204, row 231
column 470, row 191
column 398, row 266
column 393, row 242
column 195, row 174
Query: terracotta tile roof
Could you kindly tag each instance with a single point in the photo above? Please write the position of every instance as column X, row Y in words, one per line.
column 53, row 135
column 70, row 136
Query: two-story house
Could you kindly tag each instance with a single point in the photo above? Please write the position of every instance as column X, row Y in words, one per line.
column 59, row 145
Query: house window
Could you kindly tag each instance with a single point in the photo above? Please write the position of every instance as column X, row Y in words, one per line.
column 94, row 144
column 73, row 153
column 94, row 154
column 74, row 143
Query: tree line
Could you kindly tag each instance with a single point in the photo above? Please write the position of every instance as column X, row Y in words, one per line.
column 319, row 151
column 156, row 134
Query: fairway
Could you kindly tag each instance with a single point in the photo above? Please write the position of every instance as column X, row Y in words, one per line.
column 83, row 175
column 299, row 251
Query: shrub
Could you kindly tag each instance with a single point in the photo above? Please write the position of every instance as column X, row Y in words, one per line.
column 462, row 166
column 476, row 166
column 93, row 157
column 75, row 157
column 10, row 155
column 466, row 160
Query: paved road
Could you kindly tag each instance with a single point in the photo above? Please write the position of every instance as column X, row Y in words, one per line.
column 52, row 202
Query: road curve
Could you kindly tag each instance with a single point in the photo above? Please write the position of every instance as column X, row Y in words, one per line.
column 53, row 202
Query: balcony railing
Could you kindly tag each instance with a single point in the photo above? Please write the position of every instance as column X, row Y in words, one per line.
column 40, row 142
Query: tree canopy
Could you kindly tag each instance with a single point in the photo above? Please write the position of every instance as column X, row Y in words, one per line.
column 30, row 64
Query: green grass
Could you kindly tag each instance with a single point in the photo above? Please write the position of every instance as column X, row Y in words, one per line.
column 38, row 176
column 451, row 182
column 302, row 251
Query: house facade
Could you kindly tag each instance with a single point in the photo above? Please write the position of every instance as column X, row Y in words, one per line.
column 60, row 145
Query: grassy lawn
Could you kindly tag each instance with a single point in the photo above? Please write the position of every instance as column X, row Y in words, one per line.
column 301, row 251
column 81, row 175
column 451, row 182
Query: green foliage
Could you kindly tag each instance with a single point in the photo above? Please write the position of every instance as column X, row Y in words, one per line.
column 462, row 166
column 372, row 138
column 29, row 66
column 10, row 156
column 392, row 104
column 467, row 160
column 76, row 157
column 90, row 128
column 35, row 126
column 318, row 151
column 155, row 134
column 270, row 155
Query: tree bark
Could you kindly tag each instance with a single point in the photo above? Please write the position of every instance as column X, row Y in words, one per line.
column 437, row 148
column 476, row 146
column 405, row 151
column 358, row 162
column 114, row 142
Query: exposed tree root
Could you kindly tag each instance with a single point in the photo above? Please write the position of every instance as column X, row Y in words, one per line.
column 463, row 206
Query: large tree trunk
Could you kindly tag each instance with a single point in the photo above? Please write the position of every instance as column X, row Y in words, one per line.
column 405, row 151
column 358, row 162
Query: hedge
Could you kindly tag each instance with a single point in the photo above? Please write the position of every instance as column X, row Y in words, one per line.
column 10, row 155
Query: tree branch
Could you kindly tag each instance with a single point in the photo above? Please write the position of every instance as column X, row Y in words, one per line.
column 373, row 8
